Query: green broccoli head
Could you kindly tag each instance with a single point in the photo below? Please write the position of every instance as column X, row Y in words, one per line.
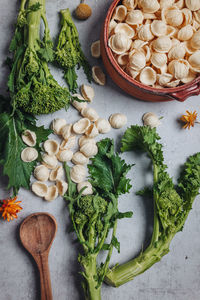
column 42, row 98
column 170, row 207
column 90, row 204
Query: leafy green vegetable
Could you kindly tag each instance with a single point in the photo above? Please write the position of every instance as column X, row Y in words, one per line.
column 12, row 126
column 93, row 216
column 172, row 204
column 30, row 83
column 69, row 53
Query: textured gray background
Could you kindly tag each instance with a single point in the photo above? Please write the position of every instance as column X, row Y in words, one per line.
column 175, row 277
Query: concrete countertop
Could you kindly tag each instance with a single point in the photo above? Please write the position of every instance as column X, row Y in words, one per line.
column 177, row 276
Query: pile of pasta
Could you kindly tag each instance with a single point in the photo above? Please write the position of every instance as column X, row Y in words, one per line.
column 157, row 42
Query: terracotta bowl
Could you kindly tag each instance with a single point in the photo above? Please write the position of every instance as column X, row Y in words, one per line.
column 133, row 87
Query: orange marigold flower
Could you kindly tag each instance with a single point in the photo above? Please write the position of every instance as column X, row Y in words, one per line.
column 9, row 208
column 189, row 119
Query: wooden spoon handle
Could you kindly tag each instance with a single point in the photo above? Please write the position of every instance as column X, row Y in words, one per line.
column 45, row 280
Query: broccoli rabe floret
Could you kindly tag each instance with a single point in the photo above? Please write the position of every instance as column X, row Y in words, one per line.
column 68, row 53
column 32, row 87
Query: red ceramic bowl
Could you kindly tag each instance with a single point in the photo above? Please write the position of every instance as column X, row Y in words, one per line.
column 133, row 87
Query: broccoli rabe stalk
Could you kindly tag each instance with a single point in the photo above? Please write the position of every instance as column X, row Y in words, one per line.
column 171, row 204
column 94, row 216
column 31, row 85
column 69, row 54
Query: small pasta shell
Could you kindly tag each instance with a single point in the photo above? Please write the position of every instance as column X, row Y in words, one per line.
column 57, row 125
column 134, row 17
column 79, row 105
column 123, row 59
column 195, row 25
column 191, row 76
column 120, row 13
column 144, row 33
column 69, row 143
column 149, row 6
column 130, row 4
column 163, row 79
column 88, row 188
column 149, row 16
column 179, row 68
column 92, row 131
column 103, row 125
column 39, row 188
column 188, row 47
column 162, row 44
column 117, row 120
column 175, row 42
column 95, row 49
column 66, row 131
column 52, row 193
column 65, row 155
column 41, row 173
column 125, row 29
column 89, row 149
column 51, row 147
column 90, row 113
column 147, row 52
column 119, row 43
column 187, row 14
column 29, row 138
column 158, row 59
column 173, row 83
column 195, row 41
column 29, row 154
column 79, row 159
column 78, row 173
column 56, row 174
column 50, row 161
column 137, row 44
column 87, row 92
column 137, row 60
column 148, row 76
column 173, row 16
column 82, row 125
column 177, row 52
column 98, row 75
column 193, row 5
column 132, row 72
column 62, row 187
column 112, row 26
column 84, row 140
column 158, row 28
column 150, row 119
column 171, row 31
column 166, row 3
column 194, row 60
column 185, row 33
column 197, row 15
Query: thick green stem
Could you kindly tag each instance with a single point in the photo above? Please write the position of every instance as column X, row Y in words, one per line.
column 34, row 19
column 90, row 283
column 137, row 266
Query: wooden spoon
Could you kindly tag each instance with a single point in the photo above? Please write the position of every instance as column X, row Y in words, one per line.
column 37, row 233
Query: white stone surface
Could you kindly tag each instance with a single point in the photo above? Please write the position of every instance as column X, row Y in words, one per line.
column 175, row 277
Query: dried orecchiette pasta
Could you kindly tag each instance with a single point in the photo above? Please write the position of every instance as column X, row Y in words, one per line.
column 82, row 125
column 78, row 173
column 157, row 42
column 117, row 120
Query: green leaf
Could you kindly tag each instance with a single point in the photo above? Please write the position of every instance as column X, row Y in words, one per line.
column 108, row 171
column 11, row 128
column 116, row 243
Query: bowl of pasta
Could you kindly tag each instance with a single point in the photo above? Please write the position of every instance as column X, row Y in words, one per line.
column 151, row 49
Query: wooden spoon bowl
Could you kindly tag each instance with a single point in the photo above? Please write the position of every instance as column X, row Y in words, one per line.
column 37, row 233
